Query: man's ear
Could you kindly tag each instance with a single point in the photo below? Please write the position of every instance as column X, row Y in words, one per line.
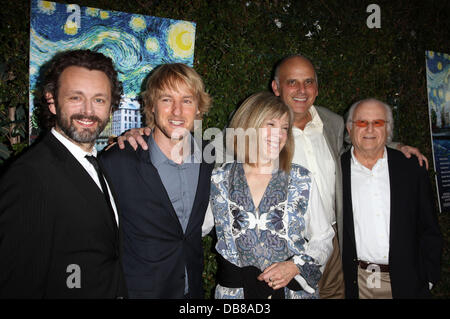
column 50, row 102
column 348, row 128
column 275, row 88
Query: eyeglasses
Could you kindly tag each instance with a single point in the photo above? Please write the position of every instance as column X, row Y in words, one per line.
column 375, row 123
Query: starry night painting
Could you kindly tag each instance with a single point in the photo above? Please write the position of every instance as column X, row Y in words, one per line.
column 438, row 83
column 136, row 43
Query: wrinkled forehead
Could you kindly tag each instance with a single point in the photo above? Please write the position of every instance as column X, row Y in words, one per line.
column 297, row 65
column 371, row 110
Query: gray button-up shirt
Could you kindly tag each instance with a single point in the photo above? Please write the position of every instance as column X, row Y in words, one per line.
column 179, row 180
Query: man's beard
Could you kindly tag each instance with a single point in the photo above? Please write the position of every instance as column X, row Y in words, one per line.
column 80, row 135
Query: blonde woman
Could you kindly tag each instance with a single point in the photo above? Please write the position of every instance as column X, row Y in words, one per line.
column 272, row 233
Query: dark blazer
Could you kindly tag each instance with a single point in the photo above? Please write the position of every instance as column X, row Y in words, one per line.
column 415, row 241
column 156, row 251
column 53, row 215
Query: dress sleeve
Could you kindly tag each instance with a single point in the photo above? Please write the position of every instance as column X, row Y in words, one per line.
column 208, row 223
column 319, row 235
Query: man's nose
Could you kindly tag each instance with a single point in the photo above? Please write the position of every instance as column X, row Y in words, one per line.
column 87, row 107
column 301, row 87
column 176, row 108
column 370, row 126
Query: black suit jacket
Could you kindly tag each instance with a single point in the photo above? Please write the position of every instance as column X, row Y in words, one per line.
column 415, row 241
column 156, row 251
column 52, row 216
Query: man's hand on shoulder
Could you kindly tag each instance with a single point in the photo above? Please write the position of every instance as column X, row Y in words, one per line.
column 409, row 150
column 134, row 137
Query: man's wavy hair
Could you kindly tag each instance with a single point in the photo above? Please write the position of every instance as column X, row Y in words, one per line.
column 172, row 76
column 82, row 58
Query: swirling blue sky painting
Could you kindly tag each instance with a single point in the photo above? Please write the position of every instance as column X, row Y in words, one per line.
column 438, row 89
column 136, row 43
column 438, row 82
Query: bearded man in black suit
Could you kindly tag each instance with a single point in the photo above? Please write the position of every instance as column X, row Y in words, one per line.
column 59, row 234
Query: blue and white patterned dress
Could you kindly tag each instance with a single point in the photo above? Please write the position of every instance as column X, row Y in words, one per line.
column 289, row 222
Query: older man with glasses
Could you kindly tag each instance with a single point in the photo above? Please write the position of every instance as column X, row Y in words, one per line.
column 391, row 241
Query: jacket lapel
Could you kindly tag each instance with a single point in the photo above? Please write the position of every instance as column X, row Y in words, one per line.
column 81, row 180
column 347, row 191
column 113, row 193
column 153, row 181
column 203, row 186
column 395, row 185
column 329, row 132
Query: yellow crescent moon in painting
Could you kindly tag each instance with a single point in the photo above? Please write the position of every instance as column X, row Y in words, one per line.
column 183, row 41
column 181, row 38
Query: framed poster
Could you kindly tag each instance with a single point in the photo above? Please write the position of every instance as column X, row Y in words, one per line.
column 438, row 83
column 136, row 44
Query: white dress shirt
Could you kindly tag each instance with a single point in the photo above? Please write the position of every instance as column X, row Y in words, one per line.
column 371, row 200
column 80, row 154
column 312, row 152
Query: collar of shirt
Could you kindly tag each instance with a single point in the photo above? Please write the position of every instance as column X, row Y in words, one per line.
column 74, row 149
column 313, row 126
column 379, row 165
column 157, row 157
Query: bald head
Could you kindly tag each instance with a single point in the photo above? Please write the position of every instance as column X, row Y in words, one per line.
column 296, row 58
column 295, row 83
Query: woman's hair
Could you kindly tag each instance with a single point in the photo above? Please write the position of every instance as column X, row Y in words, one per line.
column 252, row 113
column 172, row 76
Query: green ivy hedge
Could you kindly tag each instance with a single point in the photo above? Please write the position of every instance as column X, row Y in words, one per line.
column 237, row 44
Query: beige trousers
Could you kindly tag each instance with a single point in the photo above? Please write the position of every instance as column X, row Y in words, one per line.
column 331, row 285
column 374, row 285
